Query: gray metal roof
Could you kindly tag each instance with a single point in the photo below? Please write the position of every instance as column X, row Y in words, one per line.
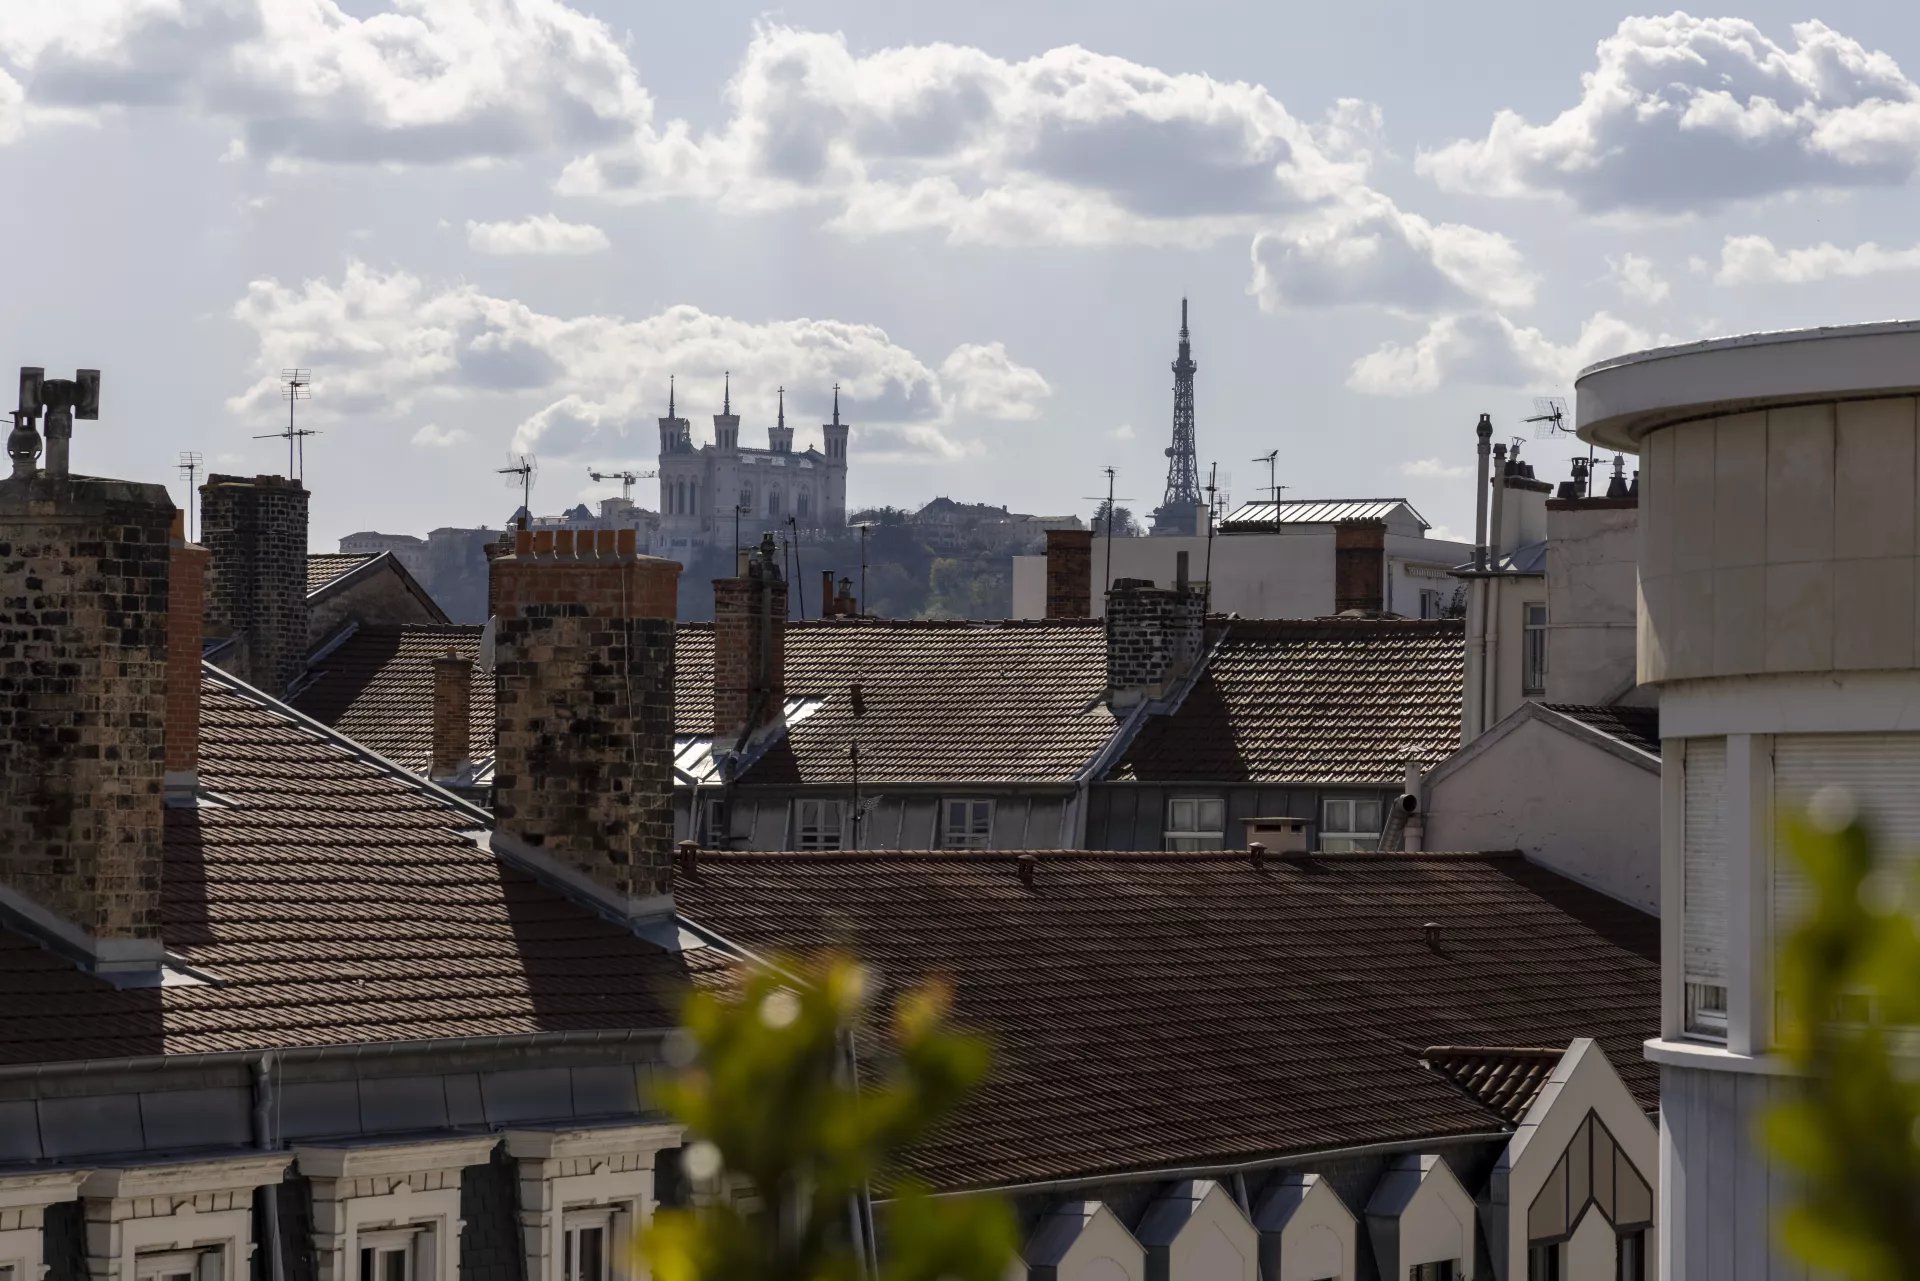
column 1321, row 511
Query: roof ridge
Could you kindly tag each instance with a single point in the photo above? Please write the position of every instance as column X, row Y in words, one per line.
column 1181, row 857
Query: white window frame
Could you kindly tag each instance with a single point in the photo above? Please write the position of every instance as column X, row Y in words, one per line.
column 1533, row 649
column 216, row 1244
column 1350, row 835
column 974, row 831
column 1433, row 603
column 615, row 1225
column 414, row 1242
column 1707, row 1009
column 708, row 827
column 198, row 1263
column 1187, row 826
column 816, row 833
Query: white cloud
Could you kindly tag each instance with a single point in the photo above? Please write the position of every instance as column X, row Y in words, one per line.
column 434, row 436
column 1753, row 260
column 1487, row 349
column 1432, row 469
column 539, row 234
column 1681, row 113
column 987, row 382
column 1123, row 432
column 420, row 81
column 1368, row 251
column 388, row 342
column 1638, row 280
column 1070, row 146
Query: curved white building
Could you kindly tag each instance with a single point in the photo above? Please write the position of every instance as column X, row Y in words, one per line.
column 1779, row 579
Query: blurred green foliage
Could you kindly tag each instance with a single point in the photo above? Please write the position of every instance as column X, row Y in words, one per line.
column 1850, row 989
column 784, row 1138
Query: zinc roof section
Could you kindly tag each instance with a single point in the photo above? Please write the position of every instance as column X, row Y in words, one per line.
column 376, row 687
column 324, row 567
column 1154, row 1011
column 335, row 902
column 1331, row 700
column 1319, row 511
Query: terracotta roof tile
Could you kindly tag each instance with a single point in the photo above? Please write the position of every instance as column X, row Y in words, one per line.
column 1635, row 726
column 334, row 902
column 1331, row 700
column 1154, row 1010
column 324, row 567
column 376, row 687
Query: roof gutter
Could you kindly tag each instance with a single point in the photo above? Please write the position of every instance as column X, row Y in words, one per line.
column 1163, row 1173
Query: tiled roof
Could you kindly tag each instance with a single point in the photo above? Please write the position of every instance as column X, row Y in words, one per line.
column 1635, row 726
column 334, row 902
column 693, row 677
column 1154, row 1011
column 1318, row 511
column 324, row 567
column 1014, row 702
column 1504, row 1081
column 376, row 687
column 1332, row 700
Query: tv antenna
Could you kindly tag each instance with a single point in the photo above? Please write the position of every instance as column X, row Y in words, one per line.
column 295, row 386
column 1272, row 459
column 522, row 466
column 626, row 479
column 190, row 468
column 1549, row 417
column 1110, row 501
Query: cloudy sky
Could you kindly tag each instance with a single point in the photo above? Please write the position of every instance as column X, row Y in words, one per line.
column 489, row 225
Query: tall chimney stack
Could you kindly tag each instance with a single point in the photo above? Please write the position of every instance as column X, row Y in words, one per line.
column 1360, row 565
column 1069, row 573
column 583, row 657
column 1154, row 637
column 749, row 648
column 452, row 760
column 256, row 530
column 83, row 744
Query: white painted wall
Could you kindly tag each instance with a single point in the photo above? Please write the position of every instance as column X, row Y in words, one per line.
column 1083, row 1241
column 1564, row 801
column 1592, row 596
column 1280, row 575
column 1418, row 1214
column 1591, row 1254
column 1307, row 1233
column 1195, row 1231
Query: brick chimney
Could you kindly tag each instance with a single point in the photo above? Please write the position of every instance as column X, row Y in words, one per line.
column 1069, row 573
column 83, row 750
column 452, row 719
column 256, row 530
column 583, row 658
column 749, row 648
column 1154, row 636
column 186, row 607
column 1360, row 565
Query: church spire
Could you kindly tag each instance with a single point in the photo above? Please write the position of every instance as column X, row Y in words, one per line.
column 670, row 412
column 726, row 394
column 836, row 404
column 783, row 407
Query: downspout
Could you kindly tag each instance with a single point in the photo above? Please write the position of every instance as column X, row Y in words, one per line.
column 267, row 1139
column 1490, row 649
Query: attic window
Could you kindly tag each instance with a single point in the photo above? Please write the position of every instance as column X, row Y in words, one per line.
column 819, row 824
column 966, row 823
column 1349, row 823
column 1196, row 822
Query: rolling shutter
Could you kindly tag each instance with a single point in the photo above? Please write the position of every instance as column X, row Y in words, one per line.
column 1704, row 850
column 1882, row 771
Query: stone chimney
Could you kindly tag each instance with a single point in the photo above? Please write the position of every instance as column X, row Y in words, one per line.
column 583, row 659
column 1360, row 565
column 83, row 747
column 186, row 610
column 452, row 761
column 1069, row 573
column 1521, row 502
column 256, row 530
column 1154, row 636
column 749, row 648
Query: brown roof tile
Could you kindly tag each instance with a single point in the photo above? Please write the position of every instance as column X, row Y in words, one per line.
column 1153, row 1011
column 1504, row 1081
column 334, row 902
column 1635, row 726
column 376, row 687
column 1332, row 700
column 324, row 567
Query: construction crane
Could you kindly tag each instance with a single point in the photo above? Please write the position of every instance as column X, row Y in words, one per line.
column 626, row 479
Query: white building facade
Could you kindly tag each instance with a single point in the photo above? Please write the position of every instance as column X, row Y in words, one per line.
column 1779, row 559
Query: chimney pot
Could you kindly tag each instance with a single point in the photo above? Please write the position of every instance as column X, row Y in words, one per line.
column 1069, row 573
column 1258, row 853
column 1027, row 864
column 749, row 647
column 689, row 857
column 1432, row 931
column 563, row 542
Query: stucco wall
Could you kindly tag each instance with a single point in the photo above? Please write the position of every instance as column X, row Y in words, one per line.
column 1781, row 540
column 1592, row 582
column 1563, row 801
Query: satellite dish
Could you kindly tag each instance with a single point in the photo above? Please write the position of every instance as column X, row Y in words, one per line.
column 487, row 638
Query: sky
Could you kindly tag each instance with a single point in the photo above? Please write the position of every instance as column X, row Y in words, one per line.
column 500, row 226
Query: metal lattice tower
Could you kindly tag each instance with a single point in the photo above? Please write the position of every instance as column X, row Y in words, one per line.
column 1179, row 511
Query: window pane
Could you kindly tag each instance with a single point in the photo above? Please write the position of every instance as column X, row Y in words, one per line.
column 1213, row 815
column 367, row 1272
column 393, row 1265
column 591, row 1253
column 1337, row 816
column 1366, row 816
column 1179, row 816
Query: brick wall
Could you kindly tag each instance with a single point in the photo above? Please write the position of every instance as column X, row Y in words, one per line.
column 584, row 665
column 1359, row 565
column 256, row 529
column 749, row 647
column 1069, row 573
column 1154, row 636
column 83, row 660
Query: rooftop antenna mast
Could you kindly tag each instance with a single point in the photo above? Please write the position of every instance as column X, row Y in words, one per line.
column 190, row 468
column 1272, row 459
column 1110, row 500
column 1549, row 419
column 295, row 386
column 523, row 466
column 1213, row 507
